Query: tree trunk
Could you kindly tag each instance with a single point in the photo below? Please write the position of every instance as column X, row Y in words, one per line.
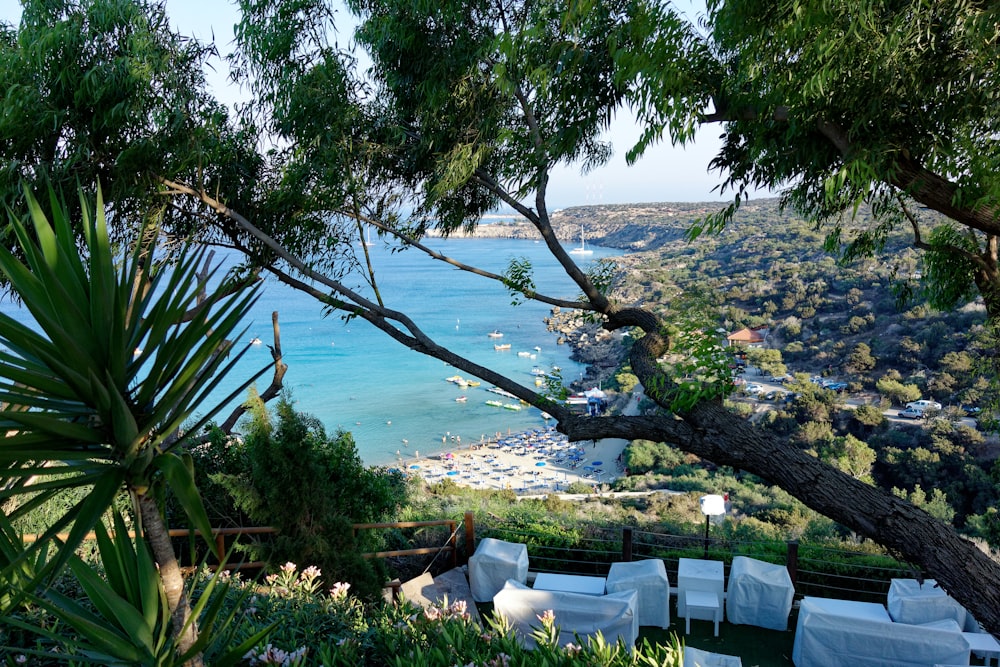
column 157, row 536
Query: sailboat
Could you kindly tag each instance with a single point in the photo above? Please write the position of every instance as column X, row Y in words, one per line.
column 583, row 249
column 368, row 237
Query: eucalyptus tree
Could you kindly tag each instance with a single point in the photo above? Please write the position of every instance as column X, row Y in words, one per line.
column 468, row 106
column 888, row 103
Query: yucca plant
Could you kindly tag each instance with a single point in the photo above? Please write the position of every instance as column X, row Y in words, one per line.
column 124, row 618
column 96, row 394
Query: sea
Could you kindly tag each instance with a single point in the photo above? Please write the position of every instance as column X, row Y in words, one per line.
column 395, row 402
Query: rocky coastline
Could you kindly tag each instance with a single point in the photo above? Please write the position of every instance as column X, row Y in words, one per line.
column 599, row 349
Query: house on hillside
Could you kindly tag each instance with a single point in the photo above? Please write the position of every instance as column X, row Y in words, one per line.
column 746, row 337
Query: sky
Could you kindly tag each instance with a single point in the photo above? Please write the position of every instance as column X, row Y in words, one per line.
column 665, row 172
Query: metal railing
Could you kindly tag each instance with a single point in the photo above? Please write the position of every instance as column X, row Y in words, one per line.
column 816, row 571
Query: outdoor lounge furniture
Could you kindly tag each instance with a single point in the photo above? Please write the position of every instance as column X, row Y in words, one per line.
column 649, row 578
column 759, row 594
column 695, row 657
column 493, row 563
column 613, row 615
column 845, row 633
column 708, row 576
column 696, row 602
column 910, row 601
column 569, row 583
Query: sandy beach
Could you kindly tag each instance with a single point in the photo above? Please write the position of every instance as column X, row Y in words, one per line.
column 539, row 460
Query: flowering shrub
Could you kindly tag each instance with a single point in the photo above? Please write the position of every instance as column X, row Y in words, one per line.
column 308, row 626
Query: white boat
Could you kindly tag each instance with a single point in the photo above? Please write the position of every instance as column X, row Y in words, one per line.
column 495, row 334
column 582, row 249
column 524, row 354
column 461, row 399
column 502, row 346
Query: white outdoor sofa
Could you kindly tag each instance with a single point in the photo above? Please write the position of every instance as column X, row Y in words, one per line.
column 614, row 615
column 845, row 633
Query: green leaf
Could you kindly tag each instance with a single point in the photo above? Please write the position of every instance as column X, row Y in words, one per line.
column 179, row 473
column 112, row 606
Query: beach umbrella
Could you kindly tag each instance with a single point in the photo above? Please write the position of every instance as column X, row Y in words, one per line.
column 540, row 464
column 449, row 455
column 414, row 467
column 597, row 463
column 452, row 473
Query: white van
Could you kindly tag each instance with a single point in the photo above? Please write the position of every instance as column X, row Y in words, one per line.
column 923, row 404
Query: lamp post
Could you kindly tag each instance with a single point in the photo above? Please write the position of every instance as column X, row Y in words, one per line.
column 711, row 505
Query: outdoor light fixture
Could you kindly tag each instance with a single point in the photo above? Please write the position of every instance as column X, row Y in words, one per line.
column 711, row 505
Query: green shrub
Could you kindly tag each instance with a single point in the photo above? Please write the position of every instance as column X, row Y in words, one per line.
column 311, row 488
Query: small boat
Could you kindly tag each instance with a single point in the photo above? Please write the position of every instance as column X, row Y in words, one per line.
column 473, row 383
column 524, row 354
column 454, row 378
column 538, row 348
column 504, row 346
column 255, row 341
column 511, row 406
column 495, row 334
column 546, row 415
column 461, row 399
column 582, row 249
column 495, row 404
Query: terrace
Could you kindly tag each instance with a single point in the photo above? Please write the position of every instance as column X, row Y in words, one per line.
column 816, row 572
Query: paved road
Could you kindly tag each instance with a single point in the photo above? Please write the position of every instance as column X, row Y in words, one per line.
column 849, row 401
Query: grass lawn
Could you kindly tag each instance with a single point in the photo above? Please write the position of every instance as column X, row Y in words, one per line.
column 757, row 647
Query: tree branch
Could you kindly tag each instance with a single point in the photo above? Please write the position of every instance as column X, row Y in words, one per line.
column 384, row 319
column 277, row 380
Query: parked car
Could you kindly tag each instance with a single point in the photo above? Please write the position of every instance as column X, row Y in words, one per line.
column 836, row 386
column 924, row 404
column 753, row 389
column 911, row 413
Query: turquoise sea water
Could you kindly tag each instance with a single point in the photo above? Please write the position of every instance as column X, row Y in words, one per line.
column 353, row 376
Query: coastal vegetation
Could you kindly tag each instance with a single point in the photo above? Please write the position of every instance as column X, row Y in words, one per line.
column 468, row 106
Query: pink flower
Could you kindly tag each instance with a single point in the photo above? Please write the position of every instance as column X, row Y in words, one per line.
column 339, row 590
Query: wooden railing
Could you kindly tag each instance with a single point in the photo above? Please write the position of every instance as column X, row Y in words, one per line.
column 219, row 535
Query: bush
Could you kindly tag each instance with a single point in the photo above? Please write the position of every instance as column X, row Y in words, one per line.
column 311, row 488
column 308, row 624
